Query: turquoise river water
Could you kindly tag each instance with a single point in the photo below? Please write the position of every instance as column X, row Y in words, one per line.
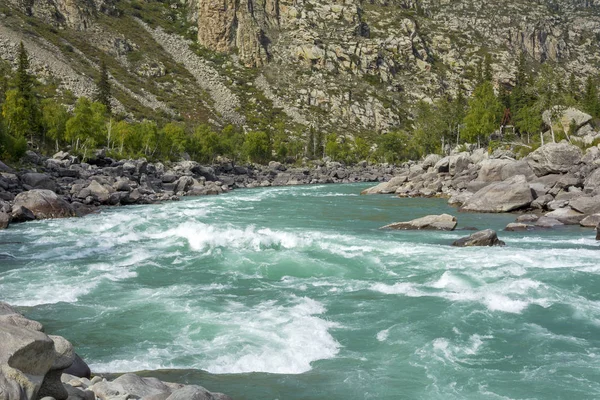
column 294, row 293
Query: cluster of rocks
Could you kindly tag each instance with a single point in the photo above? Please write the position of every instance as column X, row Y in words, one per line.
column 558, row 181
column 63, row 186
column 446, row 222
column 34, row 365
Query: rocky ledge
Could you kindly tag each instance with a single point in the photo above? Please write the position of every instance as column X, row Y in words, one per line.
column 63, row 186
column 35, row 366
column 558, row 182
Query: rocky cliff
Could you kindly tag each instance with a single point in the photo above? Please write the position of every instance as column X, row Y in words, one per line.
column 347, row 66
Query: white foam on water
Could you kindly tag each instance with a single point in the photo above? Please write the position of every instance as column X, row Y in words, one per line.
column 383, row 335
column 205, row 238
column 274, row 339
column 511, row 296
column 49, row 293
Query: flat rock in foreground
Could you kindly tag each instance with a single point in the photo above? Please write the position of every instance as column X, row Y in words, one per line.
column 511, row 194
column 486, row 237
column 443, row 222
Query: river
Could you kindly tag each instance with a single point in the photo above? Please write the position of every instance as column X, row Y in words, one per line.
column 294, row 293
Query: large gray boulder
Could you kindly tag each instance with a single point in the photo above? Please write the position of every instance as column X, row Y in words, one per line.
column 566, row 215
column 591, row 221
column 567, row 117
column 44, row 204
column 99, row 192
column 486, row 237
column 39, row 181
column 554, row 158
column 511, row 194
column 593, row 180
column 586, row 205
column 25, row 358
column 443, row 222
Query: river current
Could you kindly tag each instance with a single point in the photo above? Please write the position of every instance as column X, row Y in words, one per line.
column 294, row 293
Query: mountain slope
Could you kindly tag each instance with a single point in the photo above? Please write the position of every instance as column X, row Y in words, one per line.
column 347, row 67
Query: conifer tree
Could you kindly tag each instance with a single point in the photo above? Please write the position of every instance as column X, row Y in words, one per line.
column 488, row 72
column 485, row 112
column 103, row 89
column 590, row 101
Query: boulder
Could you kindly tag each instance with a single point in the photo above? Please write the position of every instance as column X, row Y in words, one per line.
column 491, row 170
column 586, row 205
column 78, row 368
column 593, row 180
column 442, row 222
column 527, row 218
column 430, row 161
column 547, row 222
column 25, row 358
column 44, row 204
column 554, row 158
column 591, row 221
column 598, row 232
column 516, row 226
column 566, row 215
column 387, row 187
column 39, row 181
column 567, row 117
column 486, row 237
column 130, row 384
column 511, row 194
column 194, row 392
column 4, row 220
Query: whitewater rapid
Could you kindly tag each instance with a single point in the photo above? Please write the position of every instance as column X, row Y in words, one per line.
column 301, row 282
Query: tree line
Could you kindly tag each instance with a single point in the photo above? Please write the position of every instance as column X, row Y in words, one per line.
column 30, row 118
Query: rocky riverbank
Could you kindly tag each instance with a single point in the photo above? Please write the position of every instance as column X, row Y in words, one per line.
column 558, row 182
column 34, row 365
column 63, row 186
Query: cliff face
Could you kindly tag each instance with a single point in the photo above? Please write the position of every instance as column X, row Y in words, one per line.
column 74, row 14
column 338, row 65
column 409, row 48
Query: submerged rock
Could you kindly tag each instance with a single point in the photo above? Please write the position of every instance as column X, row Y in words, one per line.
column 442, row 222
column 486, row 237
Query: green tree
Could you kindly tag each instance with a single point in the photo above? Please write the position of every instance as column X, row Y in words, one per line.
column 485, row 112
column 85, row 129
column 257, row 147
column 15, row 113
column 394, row 147
column 488, row 72
column 172, row 140
column 23, row 100
column 103, row 88
column 54, row 121
column 429, row 128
